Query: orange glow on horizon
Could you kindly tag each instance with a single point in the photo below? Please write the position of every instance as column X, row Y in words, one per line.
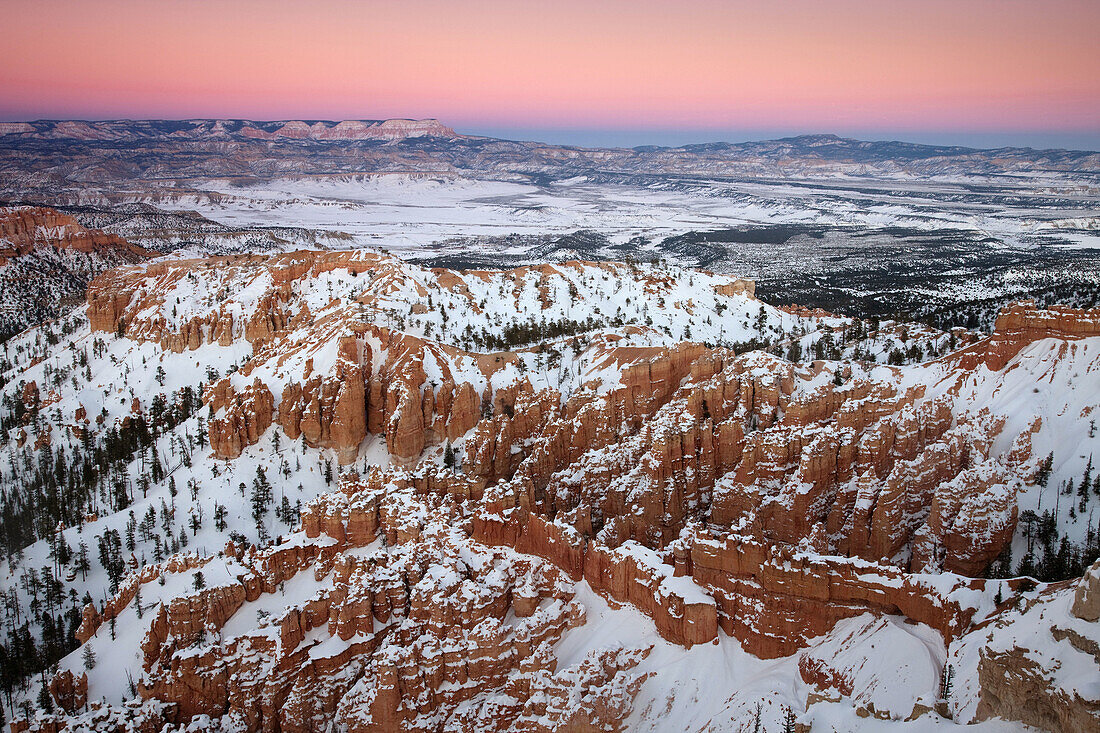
column 1003, row 64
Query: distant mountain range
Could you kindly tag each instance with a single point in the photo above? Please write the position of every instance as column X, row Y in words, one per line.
column 242, row 129
column 54, row 157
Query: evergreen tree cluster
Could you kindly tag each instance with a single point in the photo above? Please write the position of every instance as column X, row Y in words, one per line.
column 48, row 486
column 1050, row 555
column 517, row 334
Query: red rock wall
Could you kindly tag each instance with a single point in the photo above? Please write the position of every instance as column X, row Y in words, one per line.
column 1022, row 323
column 774, row 600
column 238, row 419
column 22, row 229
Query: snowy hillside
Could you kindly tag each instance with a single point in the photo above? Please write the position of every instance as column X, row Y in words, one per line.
column 622, row 496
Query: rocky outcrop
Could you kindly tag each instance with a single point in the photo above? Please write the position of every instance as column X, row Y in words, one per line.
column 106, row 308
column 397, row 401
column 388, row 130
column 632, row 574
column 1028, row 662
column 774, row 599
column 92, row 618
column 1023, row 323
column 1028, row 321
column 738, row 287
column 47, row 260
column 26, row 228
column 1014, row 687
column 1086, row 596
column 417, row 392
column 30, row 397
column 237, row 419
column 738, row 439
column 330, row 412
column 68, row 691
column 415, row 634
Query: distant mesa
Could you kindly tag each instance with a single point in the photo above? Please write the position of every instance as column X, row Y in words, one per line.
column 385, row 130
column 15, row 128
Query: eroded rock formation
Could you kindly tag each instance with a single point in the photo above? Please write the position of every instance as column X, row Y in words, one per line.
column 238, row 419
column 25, row 228
column 430, row 628
column 717, row 493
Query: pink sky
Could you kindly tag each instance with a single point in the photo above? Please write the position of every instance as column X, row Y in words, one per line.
column 996, row 65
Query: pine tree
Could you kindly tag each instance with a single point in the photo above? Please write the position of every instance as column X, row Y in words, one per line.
column 1029, row 518
column 947, row 681
column 199, row 581
column 261, row 494
column 1086, row 480
column 82, row 564
column 44, row 700
column 88, row 656
column 788, row 721
column 1026, row 566
column 286, row 511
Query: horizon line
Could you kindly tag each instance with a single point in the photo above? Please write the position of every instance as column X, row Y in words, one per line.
column 947, row 137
